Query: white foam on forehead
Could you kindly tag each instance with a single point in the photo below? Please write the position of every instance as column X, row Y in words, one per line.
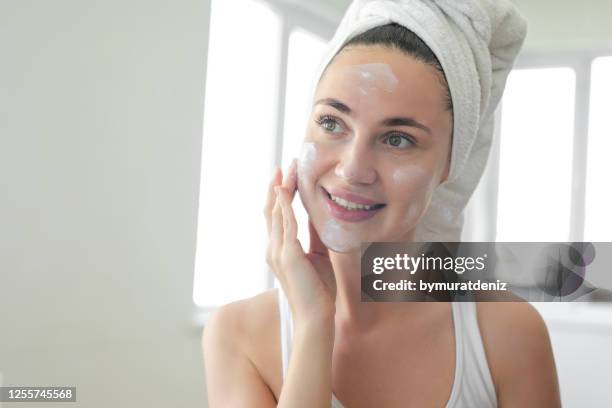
column 374, row 76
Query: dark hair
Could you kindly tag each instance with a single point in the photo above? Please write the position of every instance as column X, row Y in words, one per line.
column 397, row 36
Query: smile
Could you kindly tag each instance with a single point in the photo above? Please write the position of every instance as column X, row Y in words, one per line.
column 350, row 205
column 345, row 210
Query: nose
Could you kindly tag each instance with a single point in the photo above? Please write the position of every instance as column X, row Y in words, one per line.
column 356, row 164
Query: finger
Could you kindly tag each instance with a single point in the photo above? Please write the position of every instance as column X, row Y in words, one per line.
column 293, row 178
column 290, row 180
column 290, row 223
column 271, row 198
column 276, row 235
column 291, row 244
column 316, row 245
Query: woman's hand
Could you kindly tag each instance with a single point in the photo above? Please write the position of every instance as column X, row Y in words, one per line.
column 307, row 278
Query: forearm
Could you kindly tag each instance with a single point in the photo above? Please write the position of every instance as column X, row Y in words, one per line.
column 309, row 378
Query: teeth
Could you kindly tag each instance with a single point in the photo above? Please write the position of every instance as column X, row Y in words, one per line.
column 349, row 205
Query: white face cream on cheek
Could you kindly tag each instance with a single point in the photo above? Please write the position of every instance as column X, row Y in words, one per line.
column 333, row 235
column 338, row 238
column 307, row 157
column 304, row 172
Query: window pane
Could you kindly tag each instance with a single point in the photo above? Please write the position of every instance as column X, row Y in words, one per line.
column 237, row 151
column 535, row 179
column 598, row 220
column 305, row 54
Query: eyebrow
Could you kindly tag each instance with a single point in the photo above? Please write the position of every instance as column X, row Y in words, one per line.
column 389, row 122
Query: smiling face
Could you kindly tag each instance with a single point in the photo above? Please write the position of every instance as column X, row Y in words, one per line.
column 378, row 142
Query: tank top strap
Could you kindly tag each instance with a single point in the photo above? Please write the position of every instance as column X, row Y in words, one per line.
column 475, row 381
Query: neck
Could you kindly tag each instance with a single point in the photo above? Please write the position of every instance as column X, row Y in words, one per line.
column 351, row 312
column 348, row 288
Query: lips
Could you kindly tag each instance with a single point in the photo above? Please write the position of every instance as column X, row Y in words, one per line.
column 352, row 197
column 340, row 212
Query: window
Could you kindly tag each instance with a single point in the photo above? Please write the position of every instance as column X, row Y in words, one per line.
column 598, row 223
column 556, row 104
column 535, row 164
column 237, row 151
column 241, row 140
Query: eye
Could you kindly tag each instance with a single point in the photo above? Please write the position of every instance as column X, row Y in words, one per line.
column 329, row 124
column 399, row 140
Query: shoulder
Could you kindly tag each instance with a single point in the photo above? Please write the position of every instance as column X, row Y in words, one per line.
column 518, row 350
column 247, row 329
column 512, row 326
column 238, row 315
column 244, row 319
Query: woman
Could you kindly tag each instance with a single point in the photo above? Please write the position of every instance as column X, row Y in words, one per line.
column 379, row 146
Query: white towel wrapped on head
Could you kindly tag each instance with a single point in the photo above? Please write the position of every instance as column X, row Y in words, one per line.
column 476, row 42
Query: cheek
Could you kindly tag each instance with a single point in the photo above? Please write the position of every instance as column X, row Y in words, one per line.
column 315, row 159
column 310, row 166
column 307, row 158
column 412, row 179
column 305, row 164
column 413, row 186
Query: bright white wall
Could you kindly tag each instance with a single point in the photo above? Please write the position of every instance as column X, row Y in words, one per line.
column 101, row 107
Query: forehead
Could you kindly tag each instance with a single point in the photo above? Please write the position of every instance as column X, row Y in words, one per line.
column 383, row 76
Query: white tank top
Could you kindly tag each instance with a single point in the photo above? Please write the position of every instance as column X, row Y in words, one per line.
column 472, row 385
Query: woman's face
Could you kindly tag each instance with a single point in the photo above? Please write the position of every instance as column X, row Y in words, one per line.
column 377, row 144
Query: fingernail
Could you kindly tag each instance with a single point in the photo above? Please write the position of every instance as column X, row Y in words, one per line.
column 276, row 189
column 274, row 173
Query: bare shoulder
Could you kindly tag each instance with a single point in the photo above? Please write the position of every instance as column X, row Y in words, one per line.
column 518, row 350
column 511, row 326
column 244, row 318
column 249, row 328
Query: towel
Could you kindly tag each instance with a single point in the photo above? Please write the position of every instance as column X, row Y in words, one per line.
column 476, row 42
